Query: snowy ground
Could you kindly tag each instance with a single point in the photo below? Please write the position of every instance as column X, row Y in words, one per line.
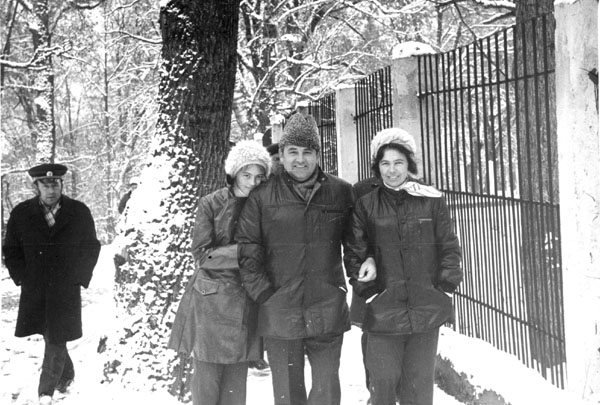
column 20, row 360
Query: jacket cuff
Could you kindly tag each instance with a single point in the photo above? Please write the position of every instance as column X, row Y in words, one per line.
column 265, row 295
column 447, row 287
column 365, row 290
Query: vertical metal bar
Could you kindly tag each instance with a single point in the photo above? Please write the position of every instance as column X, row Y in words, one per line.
column 421, row 97
column 542, row 307
column 437, row 125
column 457, row 105
column 556, row 262
column 431, row 129
column 467, row 234
column 531, row 259
column 510, row 335
column 443, row 134
column 518, row 208
column 472, row 104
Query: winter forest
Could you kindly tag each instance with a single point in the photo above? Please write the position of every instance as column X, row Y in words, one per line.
column 117, row 89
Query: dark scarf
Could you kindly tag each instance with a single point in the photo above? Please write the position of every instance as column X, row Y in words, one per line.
column 304, row 189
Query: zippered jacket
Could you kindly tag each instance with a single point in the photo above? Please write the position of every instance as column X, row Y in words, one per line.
column 290, row 255
column 418, row 259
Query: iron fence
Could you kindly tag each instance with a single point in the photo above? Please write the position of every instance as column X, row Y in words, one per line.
column 488, row 131
column 323, row 110
column 373, row 96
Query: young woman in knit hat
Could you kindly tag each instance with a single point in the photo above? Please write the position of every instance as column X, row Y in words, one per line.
column 216, row 321
column 402, row 229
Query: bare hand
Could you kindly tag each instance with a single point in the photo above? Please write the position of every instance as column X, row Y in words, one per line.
column 368, row 270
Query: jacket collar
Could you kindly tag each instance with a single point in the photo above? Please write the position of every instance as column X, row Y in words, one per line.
column 65, row 214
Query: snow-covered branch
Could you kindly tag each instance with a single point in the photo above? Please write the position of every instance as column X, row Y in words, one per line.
column 137, row 37
column 34, row 62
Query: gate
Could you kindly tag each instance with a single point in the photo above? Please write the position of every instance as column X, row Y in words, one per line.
column 489, row 142
column 373, row 108
column 323, row 110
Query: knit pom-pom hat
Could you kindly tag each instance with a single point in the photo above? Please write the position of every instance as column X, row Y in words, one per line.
column 246, row 153
column 393, row 135
column 301, row 130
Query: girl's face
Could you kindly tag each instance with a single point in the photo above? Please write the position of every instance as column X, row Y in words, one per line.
column 247, row 178
column 393, row 168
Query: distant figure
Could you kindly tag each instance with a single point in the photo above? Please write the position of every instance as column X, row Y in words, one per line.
column 50, row 251
column 133, row 183
column 276, row 167
column 216, row 320
column 402, row 229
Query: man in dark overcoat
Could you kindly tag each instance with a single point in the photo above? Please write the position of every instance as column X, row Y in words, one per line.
column 50, row 250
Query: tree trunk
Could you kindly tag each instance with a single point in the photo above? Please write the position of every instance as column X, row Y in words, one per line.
column 44, row 131
column 538, row 178
column 195, row 98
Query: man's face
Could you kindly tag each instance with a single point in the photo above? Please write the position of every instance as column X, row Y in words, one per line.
column 50, row 191
column 299, row 162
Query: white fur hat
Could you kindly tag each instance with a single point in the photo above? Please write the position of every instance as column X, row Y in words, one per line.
column 393, row 135
column 246, row 153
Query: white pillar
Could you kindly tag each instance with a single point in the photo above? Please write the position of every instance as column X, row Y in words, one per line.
column 347, row 147
column 579, row 184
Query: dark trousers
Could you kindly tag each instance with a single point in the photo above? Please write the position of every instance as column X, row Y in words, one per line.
column 363, row 347
column 402, row 365
column 286, row 358
column 56, row 367
column 219, row 384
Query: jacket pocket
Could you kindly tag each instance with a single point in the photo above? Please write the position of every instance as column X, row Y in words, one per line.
column 206, row 286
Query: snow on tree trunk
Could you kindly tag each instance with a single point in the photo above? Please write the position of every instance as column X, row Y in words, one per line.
column 186, row 162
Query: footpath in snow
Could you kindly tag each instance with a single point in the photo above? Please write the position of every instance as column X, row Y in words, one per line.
column 21, row 358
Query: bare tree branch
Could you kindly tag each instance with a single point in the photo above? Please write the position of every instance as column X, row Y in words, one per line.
column 40, row 54
column 137, row 37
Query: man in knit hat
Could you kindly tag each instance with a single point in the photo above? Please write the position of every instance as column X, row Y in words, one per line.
column 289, row 236
column 50, row 250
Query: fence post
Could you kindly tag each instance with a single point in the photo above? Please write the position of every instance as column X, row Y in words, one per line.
column 579, row 184
column 406, row 113
column 346, row 134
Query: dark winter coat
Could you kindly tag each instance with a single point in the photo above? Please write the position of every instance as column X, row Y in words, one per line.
column 290, row 256
column 418, row 259
column 51, row 265
column 358, row 306
column 216, row 320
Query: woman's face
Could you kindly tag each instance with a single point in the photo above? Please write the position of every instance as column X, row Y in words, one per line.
column 393, row 168
column 247, row 178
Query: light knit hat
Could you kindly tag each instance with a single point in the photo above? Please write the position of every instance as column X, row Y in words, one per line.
column 301, row 130
column 246, row 153
column 393, row 135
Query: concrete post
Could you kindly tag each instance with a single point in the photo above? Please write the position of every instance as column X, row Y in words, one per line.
column 406, row 114
column 347, row 146
column 579, row 184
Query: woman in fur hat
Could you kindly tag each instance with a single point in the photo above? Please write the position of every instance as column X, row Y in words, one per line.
column 216, row 321
column 403, row 230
